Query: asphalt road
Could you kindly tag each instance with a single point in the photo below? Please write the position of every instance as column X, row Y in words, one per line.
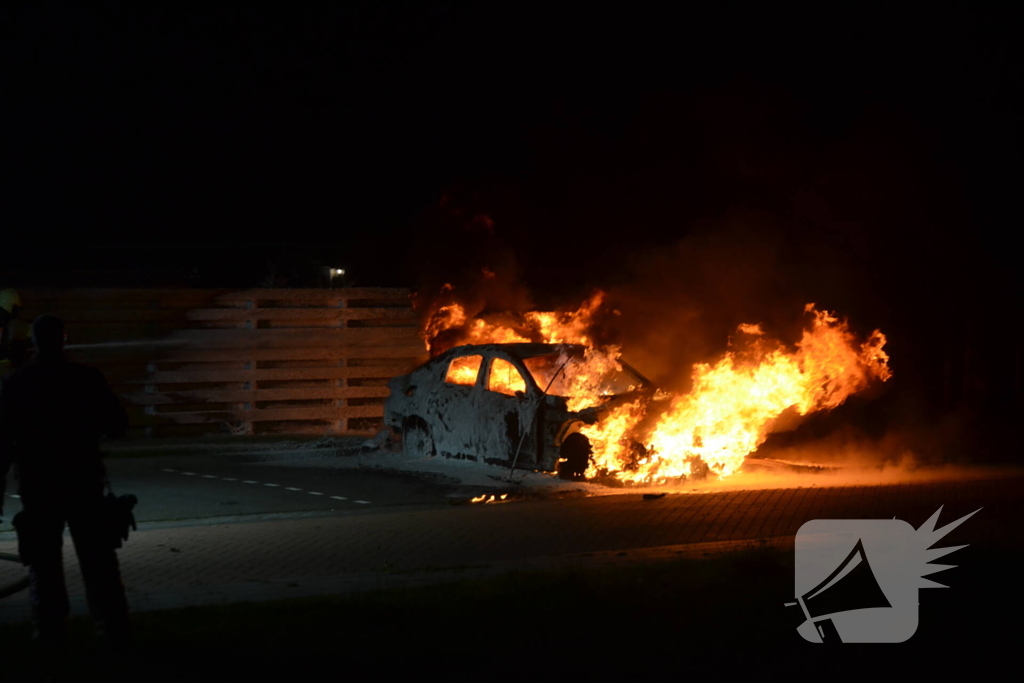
column 206, row 487
column 236, row 528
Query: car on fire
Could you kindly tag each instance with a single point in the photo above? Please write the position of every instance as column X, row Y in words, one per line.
column 507, row 404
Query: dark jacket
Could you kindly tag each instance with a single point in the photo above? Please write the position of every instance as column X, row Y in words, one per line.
column 53, row 414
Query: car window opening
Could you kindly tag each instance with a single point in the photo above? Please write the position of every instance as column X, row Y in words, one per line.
column 580, row 377
column 504, row 378
column 464, row 370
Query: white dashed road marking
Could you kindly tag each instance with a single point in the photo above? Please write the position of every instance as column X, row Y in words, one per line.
column 251, row 481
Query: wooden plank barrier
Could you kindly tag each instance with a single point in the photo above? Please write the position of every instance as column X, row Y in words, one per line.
column 293, row 361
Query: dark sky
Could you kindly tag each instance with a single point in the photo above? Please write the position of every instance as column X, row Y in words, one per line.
column 709, row 167
column 237, row 133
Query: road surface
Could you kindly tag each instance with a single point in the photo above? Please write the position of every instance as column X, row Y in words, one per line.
column 221, row 530
column 206, row 487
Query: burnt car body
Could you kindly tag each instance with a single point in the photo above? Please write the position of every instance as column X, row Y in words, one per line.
column 500, row 403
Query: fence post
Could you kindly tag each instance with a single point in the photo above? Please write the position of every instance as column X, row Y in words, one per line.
column 154, row 325
column 341, row 424
column 250, row 324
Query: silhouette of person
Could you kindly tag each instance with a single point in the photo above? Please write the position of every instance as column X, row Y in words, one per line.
column 52, row 415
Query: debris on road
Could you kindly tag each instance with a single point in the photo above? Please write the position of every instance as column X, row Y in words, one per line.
column 381, row 440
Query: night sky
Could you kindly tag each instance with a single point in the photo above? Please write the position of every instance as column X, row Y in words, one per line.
column 864, row 156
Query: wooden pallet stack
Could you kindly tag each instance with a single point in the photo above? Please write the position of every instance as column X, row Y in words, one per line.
column 258, row 361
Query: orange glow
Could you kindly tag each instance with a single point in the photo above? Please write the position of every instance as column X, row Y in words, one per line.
column 570, row 327
column 504, row 378
column 464, row 370
column 730, row 410
column 734, row 402
column 488, row 499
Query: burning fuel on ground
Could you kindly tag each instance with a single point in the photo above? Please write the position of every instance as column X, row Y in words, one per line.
column 732, row 406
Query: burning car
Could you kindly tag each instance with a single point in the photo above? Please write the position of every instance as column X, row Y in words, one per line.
column 548, row 390
column 521, row 404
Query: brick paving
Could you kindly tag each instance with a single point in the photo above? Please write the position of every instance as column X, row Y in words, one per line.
column 227, row 562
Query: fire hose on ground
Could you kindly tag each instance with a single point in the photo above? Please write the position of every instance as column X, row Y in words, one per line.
column 15, row 586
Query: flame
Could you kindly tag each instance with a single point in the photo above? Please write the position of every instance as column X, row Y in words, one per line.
column 734, row 402
column 488, row 499
column 464, row 370
column 569, row 327
column 505, row 378
column 613, row 451
column 729, row 411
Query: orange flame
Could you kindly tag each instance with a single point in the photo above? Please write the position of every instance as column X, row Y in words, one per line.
column 485, row 499
column 571, row 327
column 730, row 409
column 733, row 404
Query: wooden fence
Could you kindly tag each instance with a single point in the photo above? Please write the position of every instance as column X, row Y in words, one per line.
column 242, row 362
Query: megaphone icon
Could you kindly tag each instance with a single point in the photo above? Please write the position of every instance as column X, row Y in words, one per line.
column 851, row 586
column 850, row 605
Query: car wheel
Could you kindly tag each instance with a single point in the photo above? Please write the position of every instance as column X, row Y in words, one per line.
column 416, row 441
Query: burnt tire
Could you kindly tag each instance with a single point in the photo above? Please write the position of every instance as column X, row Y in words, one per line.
column 416, row 441
column 574, row 457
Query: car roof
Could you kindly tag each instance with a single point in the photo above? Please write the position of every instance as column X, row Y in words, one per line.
column 521, row 350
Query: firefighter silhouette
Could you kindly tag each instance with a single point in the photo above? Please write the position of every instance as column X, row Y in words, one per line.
column 52, row 416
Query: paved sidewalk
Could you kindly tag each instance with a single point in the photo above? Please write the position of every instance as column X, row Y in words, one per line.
column 205, row 563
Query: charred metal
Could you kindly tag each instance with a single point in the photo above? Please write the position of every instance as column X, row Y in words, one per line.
column 453, row 406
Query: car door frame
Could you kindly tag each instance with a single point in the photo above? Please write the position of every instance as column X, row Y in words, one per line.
column 447, row 407
column 496, row 440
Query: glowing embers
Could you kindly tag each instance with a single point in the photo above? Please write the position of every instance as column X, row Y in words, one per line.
column 493, row 498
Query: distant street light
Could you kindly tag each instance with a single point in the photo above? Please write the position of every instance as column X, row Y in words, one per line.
column 333, row 273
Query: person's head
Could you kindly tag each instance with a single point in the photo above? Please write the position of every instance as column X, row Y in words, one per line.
column 48, row 334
